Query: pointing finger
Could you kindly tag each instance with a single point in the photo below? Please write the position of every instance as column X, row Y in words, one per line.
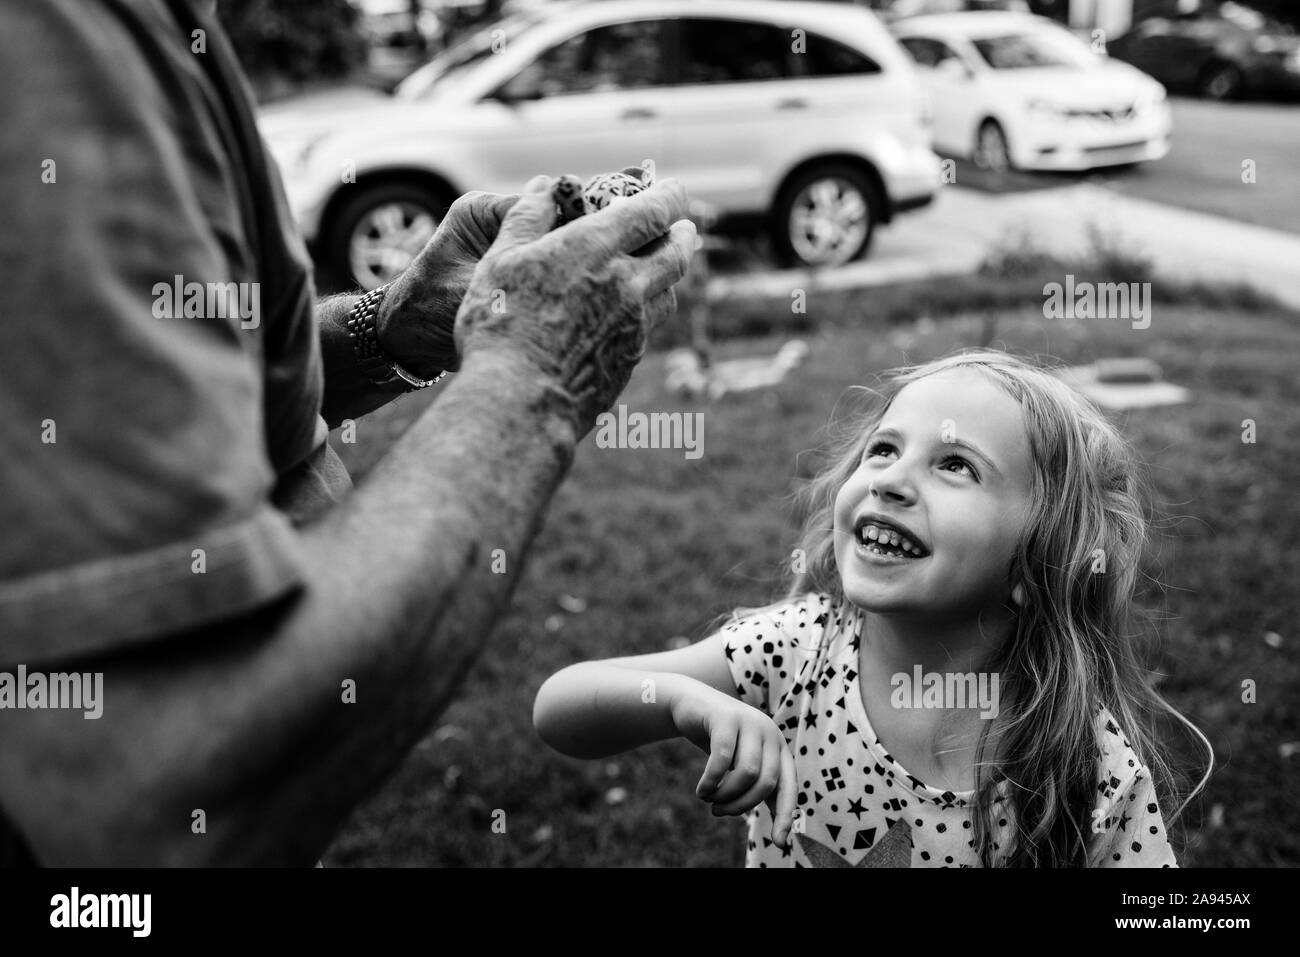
column 783, row 815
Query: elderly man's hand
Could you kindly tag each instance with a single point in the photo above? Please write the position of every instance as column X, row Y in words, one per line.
column 418, row 315
column 576, row 304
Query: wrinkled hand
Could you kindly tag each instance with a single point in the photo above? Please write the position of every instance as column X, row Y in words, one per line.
column 417, row 319
column 575, row 303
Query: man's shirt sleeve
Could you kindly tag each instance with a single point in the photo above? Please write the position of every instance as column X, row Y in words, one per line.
column 134, row 474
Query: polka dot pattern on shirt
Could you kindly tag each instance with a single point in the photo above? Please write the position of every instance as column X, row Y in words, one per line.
column 798, row 664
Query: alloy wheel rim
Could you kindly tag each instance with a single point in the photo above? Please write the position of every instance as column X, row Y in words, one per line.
column 828, row 221
column 385, row 241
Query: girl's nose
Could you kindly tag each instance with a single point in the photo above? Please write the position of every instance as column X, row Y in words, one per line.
column 893, row 485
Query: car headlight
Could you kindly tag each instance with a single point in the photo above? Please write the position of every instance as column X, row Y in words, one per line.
column 1292, row 61
column 1154, row 98
column 1266, row 44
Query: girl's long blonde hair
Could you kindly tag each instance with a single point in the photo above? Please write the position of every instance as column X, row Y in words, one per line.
column 1078, row 643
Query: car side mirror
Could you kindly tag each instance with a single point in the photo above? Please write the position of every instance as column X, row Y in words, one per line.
column 523, row 86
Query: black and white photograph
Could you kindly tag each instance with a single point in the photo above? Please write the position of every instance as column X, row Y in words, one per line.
column 650, row 434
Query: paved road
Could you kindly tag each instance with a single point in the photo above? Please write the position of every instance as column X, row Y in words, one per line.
column 963, row 225
column 1191, row 212
column 1203, row 170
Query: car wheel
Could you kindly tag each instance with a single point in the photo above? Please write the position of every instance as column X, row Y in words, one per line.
column 825, row 216
column 1220, row 81
column 375, row 234
column 991, row 151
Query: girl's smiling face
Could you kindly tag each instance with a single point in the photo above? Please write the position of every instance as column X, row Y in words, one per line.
column 947, row 475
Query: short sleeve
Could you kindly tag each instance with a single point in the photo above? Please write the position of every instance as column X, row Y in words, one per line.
column 1128, row 829
column 136, row 479
column 762, row 649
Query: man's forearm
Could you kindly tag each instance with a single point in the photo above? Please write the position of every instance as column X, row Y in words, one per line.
column 248, row 722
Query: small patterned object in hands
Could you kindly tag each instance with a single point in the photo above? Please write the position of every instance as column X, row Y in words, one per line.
column 574, row 199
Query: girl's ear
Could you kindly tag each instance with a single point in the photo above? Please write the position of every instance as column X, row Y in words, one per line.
column 1018, row 595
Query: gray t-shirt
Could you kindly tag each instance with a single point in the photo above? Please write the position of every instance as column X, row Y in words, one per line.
column 153, row 464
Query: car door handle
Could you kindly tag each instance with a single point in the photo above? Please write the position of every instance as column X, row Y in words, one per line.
column 638, row 113
column 794, row 103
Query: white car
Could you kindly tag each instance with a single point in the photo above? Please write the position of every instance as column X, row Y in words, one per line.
column 1012, row 90
column 806, row 115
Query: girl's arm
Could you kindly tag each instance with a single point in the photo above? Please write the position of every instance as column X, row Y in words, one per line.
column 599, row 708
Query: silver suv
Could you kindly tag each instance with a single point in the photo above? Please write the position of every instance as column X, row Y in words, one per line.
column 805, row 115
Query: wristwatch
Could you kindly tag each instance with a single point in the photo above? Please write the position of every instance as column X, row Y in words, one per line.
column 379, row 367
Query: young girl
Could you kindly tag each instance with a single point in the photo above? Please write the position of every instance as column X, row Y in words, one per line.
column 955, row 664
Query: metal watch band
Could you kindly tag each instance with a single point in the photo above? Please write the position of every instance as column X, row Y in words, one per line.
column 376, row 364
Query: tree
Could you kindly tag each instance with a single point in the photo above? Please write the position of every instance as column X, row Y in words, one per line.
column 290, row 42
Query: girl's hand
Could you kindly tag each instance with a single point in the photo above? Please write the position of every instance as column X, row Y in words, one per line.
column 748, row 757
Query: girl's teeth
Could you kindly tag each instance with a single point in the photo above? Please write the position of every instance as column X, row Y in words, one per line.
column 889, row 537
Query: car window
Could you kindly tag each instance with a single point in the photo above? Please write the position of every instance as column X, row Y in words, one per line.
column 1209, row 29
column 1250, row 20
column 928, row 52
column 732, row 51
column 1155, row 27
column 456, row 61
column 617, row 56
column 823, row 56
column 1034, row 49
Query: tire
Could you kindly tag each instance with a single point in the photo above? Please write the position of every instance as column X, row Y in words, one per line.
column 991, row 151
column 825, row 216
column 394, row 220
column 1220, row 81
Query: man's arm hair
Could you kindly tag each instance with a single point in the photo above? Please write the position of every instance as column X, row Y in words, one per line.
column 247, row 721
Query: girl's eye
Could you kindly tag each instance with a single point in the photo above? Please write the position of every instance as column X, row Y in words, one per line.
column 961, row 464
column 877, row 448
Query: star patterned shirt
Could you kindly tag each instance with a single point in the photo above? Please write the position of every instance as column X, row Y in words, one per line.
column 798, row 663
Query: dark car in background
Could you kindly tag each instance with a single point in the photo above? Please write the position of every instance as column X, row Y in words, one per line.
column 1222, row 51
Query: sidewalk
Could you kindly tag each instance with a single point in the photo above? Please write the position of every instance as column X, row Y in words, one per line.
column 953, row 235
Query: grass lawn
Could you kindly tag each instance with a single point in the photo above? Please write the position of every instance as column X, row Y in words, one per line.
column 657, row 546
